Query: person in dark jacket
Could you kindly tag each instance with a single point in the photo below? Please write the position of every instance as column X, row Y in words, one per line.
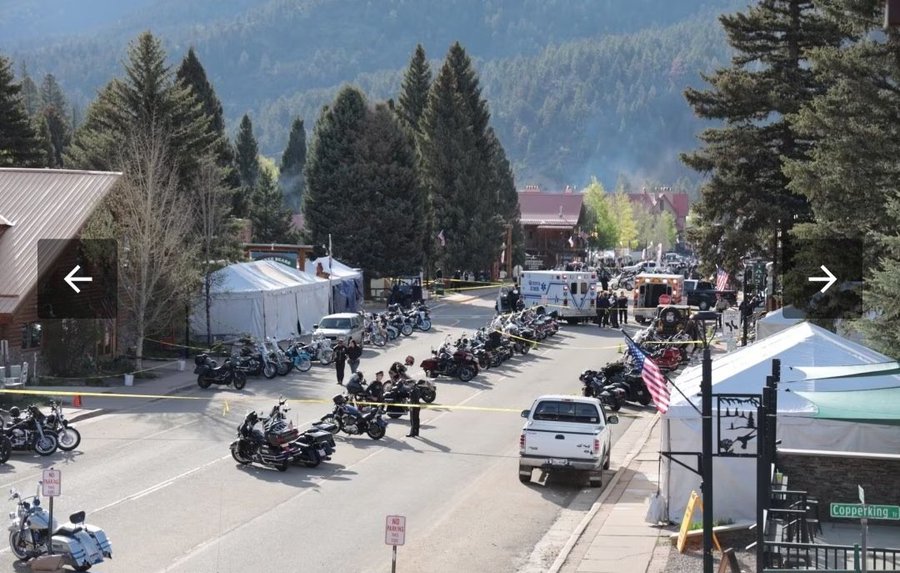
column 415, row 398
column 354, row 351
column 603, row 309
column 340, row 359
column 623, row 307
column 613, row 310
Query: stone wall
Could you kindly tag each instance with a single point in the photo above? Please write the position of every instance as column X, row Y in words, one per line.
column 834, row 478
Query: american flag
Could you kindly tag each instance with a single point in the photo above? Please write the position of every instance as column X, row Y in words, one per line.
column 721, row 279
column 653, row 378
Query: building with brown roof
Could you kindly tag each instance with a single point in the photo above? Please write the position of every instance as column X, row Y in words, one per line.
column 37, row 204
column 662, row 199
column 549, row 221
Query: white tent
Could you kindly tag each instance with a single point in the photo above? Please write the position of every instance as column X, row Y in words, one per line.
column 744, row 372
column 263, row 299
column 346, row 283
column 775, row 321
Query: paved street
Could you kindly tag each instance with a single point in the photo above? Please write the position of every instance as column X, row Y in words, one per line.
column 159, row 478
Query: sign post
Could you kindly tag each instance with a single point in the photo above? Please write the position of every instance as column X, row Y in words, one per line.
column 394, row 534
column 864, row 523
column 864, row 512
column 51, row 486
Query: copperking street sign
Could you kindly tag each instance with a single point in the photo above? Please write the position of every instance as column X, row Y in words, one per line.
column 860, row 511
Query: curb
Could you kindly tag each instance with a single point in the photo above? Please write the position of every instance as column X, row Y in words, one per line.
column 607, row 491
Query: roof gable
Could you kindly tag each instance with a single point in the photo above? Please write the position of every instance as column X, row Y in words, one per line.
column 539, row 208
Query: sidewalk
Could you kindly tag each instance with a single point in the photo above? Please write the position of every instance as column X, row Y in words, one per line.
column 616, row 538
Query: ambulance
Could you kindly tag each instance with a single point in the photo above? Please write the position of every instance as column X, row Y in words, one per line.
column 653, row 289
column 572, row 294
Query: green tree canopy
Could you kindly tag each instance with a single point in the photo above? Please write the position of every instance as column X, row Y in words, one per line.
column 414, row 91
column 293, row 160
column 601, row 224
column 270, row 217
column 19, row 144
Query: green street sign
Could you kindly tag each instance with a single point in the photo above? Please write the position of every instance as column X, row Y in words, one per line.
column 860, row 511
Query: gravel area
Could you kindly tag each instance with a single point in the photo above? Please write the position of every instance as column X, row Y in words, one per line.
column 691, row 561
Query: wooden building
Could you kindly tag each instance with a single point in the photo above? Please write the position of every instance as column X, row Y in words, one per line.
column 550, row 222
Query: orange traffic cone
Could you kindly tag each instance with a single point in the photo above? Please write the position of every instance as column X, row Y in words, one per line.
column 76, row 401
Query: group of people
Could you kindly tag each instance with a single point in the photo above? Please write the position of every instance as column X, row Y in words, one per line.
column 612, row 309
column 350, row 352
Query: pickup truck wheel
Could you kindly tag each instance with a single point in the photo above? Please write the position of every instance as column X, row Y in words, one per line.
column 595, row 479
column 524, row 474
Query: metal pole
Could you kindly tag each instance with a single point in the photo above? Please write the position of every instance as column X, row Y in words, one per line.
column 394, row 561
column 50, row 530
column 762, row 488
column 865, row 542
column 707, row 486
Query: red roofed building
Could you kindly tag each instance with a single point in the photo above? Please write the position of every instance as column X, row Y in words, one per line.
column 656, row 202
column 549, row 221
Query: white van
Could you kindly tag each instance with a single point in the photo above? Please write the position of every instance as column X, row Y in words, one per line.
column 572, row 294
column 343, row 326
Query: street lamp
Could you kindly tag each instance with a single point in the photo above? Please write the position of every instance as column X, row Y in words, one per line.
column 707, row 459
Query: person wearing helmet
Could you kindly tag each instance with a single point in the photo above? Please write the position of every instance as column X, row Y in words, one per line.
column 398, row 370
column 356, row 384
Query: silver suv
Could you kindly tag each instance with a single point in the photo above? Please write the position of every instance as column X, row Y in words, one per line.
column 343, row 326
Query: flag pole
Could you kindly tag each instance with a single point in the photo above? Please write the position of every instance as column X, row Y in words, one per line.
column 668, row 380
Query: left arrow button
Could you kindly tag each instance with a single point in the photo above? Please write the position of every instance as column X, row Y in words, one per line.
column 71, row 279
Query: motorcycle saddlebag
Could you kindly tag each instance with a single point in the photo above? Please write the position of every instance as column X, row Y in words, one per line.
column 284, row 437
column 320, row 437
column 100, row 537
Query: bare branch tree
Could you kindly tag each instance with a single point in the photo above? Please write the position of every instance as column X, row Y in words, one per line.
column 214, row 227
column 154, row 218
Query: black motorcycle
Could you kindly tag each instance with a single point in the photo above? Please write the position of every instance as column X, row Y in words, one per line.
column 28, row 433
column 355, row 421
column 252, row 445
column 595, row 385
column 628, row 379
column 208, row 373
column 311, row 446
column 68, row 437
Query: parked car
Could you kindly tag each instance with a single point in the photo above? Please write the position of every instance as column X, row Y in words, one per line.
column 566, row 433
column 343, row 326
column 702, row 294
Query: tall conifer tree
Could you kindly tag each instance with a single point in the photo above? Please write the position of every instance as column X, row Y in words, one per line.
column 246, row 161
column 414, row 90
column 20, row 146
column 293, row 160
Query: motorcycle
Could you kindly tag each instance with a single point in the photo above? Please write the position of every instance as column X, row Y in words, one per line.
column 252, row 445
column 373, row 334
column 81, row 545
column 594, row 385
column 253, row 359
column 28, row 433
column 209, row 373
column 355, row 421
column 68, row 437
column 421, row 319
column 320, row 349
column 283, row 364
column 309, row 447
column 459, row 363
column 629, row 380
column 300, row 357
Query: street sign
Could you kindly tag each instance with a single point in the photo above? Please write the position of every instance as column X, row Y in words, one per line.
column 395, row 530
column 860, row 511
column 51, row 482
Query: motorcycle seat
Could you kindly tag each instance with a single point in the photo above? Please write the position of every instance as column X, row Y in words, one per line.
column 69, row 528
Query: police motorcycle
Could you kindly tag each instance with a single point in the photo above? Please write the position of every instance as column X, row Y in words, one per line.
column 29, row 433
column 356, row 421
column 81, row 545
column 253, row 445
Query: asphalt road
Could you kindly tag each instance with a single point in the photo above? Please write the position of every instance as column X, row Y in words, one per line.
column 160, row 480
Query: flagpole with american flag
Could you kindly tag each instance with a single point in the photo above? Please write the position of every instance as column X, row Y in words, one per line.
column 722, row 279
column 657, row 383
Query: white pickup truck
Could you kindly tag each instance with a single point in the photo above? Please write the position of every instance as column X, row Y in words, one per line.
column 566, row 433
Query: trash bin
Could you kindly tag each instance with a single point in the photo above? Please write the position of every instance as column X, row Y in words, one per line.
column 129, row 379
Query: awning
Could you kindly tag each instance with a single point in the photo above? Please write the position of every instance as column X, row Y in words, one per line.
column 850, row 371
column 879, row 406
column 557, row 227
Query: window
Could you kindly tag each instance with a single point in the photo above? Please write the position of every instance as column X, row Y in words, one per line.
column 575, row 412
column 573, row 288
column 31, row 335
column 335, row 323
column 584, row 288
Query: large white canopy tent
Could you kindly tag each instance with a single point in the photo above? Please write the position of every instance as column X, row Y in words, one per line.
column 346, row 283
column 799, row 424
column 262, row 298
column 775, row 321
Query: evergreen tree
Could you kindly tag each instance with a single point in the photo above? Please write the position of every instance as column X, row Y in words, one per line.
column 331, row 204
column 51, row 95
column 270, row 218
column 191, row 74
column 146, row 100
column 20, row 146
column 31, row 97
column 246, row 159
column 507, row 196
column 55, row 124
column 414, row 90
column 293, row 160
column 456, row 169
column 746, row 200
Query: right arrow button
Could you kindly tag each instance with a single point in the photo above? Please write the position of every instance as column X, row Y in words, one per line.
column 828, row 280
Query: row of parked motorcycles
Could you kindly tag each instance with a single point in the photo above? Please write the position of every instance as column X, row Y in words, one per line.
column 382, row 327
column 35, row 431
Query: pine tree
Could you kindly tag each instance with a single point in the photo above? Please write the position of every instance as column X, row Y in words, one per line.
column 746, row 200
column 414, row 90
column 191, row 74
column 246, row 160
column 293, row 160
column 270, row 218
column 31, row 97
column 331, row 204
column 146, row 100
column 20, row 146
column 51, row 95
column 55, row 124
column 507, row 196
column 456, row 168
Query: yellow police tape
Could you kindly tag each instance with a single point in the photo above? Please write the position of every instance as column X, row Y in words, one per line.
column 227, row 408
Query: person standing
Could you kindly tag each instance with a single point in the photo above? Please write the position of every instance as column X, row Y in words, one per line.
column 415, row 398
column 340, row 359
column 623, row 307
column 604, row 279
column 603, row 308
column 613, row 310
column 721, row 307
column 354, row 351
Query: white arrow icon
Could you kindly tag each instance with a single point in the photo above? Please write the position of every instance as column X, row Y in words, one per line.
column 829, row 280
column 71, row 279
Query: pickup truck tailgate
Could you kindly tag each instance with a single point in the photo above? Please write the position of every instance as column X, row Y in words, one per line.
column 561, row 440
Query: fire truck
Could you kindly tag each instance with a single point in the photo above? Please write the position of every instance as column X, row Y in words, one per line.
column 653, row 289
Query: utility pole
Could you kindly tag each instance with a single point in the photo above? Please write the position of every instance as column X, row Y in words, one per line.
column 707, row 465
